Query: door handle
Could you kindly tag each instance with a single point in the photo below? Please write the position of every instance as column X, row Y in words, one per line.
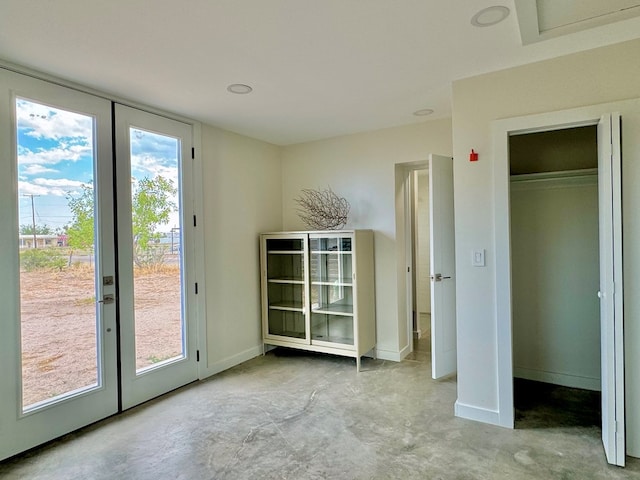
column 107, row 299
column 438, row 277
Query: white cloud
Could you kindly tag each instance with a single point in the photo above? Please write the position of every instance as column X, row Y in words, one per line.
column 48, row 186
column 149, row 166
column 42, row 121
column 52, row 156
column 36, row 169
column 59, row 182
column 27, row 188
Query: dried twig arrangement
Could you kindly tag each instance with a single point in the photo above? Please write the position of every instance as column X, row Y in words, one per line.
column 322, row 209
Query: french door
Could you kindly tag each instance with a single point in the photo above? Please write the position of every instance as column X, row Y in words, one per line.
column 86, row 286
column 157, row 331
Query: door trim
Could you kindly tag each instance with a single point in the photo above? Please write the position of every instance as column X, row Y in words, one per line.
column 501, row 130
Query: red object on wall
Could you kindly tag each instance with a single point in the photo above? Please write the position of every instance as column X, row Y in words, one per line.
column 473, row 156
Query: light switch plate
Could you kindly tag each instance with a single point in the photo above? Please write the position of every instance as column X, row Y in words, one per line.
column 477, row 258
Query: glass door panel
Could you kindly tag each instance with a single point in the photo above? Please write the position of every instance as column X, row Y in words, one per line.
column 157, row 276
column 58, row 342
column 332, row 328
column 59, row 327
column 331, row 268
column 158, row 329
column 331, row 265
column 285, row 287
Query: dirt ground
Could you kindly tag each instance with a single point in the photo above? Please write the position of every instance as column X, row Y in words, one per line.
column 59, row 327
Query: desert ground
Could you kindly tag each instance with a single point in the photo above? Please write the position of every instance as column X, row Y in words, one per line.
column 58, row 315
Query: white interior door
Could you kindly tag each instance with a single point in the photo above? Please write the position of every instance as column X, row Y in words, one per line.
column 442, row 263
column 158, row 330
column 58, row 344
column 611, row 288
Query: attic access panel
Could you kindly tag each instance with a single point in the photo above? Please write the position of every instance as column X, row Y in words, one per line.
column 543, row 19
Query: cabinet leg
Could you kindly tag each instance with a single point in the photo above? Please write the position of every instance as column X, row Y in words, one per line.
column 358, row 363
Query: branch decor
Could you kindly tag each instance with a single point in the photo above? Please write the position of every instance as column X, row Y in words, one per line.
column 322, row 209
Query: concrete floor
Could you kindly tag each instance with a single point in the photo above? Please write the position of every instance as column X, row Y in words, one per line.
column 294, row 415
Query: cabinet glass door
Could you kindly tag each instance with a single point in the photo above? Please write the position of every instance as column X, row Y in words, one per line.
column 286, row 287
column 331, row 271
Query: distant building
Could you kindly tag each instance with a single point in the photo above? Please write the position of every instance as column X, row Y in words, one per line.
column 42, row 241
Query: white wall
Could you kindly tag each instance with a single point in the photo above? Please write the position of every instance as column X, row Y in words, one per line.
column 596, row 76
column 555, row 277
column 242, row 197
column 361, row 167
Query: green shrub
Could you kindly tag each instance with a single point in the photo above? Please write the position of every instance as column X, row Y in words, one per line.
column 42, row 259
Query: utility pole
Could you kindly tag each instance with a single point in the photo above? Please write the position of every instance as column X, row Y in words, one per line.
column 33, row 218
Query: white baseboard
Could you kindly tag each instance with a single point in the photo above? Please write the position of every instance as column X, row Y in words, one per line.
column 232, row 361
column 573, row 381
column 405, row 351
column 389, row 355
column 471, row 412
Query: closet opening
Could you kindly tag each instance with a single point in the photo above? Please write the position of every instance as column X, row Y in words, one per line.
column 555, row 278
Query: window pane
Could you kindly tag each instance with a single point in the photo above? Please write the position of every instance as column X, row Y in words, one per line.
column 57, row 267
column 157, row 248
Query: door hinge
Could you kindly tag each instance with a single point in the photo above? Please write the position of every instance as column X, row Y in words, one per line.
column 196, row 288
column 194, row 221
column 193, row 153
column 197, row 355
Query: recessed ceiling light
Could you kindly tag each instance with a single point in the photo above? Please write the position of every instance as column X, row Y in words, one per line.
column 423, row 112
column 490, row 16
column 239, row 88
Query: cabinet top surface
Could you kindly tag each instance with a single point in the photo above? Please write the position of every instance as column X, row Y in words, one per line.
column 317, row 232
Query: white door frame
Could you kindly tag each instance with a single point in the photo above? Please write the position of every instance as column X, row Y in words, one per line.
column 501, row 130
column 404, row 213
column 405, row 241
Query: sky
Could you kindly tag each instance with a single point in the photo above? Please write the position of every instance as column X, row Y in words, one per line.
column 56, row 158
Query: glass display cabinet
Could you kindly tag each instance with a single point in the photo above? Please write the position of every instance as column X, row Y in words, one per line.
column 318, row 291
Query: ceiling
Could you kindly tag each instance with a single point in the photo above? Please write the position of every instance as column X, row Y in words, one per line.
column 318, row 68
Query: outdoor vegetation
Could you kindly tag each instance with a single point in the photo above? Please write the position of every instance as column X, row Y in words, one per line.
column 58, row 293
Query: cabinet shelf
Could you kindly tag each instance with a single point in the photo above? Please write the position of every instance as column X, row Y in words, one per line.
column 344, row 283
column 331, row 252
column 287, row 306
column 346, row 310
column 285, row 252
column 287, row 280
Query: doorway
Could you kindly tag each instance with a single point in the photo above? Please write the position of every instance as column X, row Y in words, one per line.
column 610, row 263
column 425, row 232
column 420, row 271
column 97, row 316
column 555, row 274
